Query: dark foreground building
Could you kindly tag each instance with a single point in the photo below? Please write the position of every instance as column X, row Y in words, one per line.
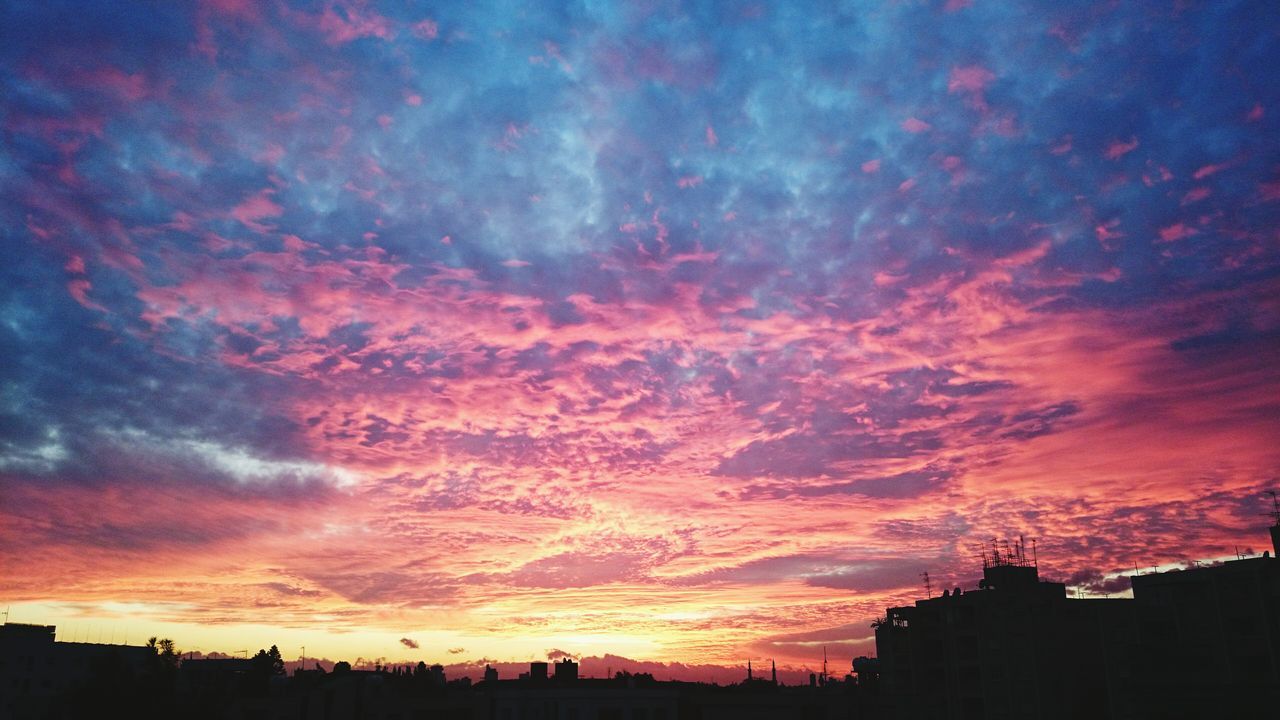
column 1203, row 642
column 1015, row 648
column 43, row 678
column 1210, row 640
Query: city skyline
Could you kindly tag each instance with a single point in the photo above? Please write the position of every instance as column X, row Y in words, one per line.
column 686, row 335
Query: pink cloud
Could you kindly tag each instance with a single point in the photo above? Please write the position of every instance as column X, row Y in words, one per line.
column 915, row 126
column 871, row 166
column 1175, row 232
column 1208, row 170
column 272, row 154
column 1118, row 148
column 353, row 24
column 426, row 29
column 255, row 208
column 1195, row 195
column 1106, row 231
column 970, row 79
column 79, row 290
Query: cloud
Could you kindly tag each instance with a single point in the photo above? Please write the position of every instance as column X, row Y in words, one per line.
column 625, row 324
column 915, row 125
column 409, row 643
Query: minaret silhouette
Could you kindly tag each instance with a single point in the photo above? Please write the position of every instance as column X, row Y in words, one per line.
column 774, row 666
column 748, row 669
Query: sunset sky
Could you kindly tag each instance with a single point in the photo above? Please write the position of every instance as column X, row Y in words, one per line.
column 688, row 333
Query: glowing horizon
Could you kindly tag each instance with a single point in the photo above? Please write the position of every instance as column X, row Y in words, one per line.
column 689, row 336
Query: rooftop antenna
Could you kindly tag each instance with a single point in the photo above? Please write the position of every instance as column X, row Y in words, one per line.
column 824, row 662
column 1035, row 557
column 928, row 592
column 1275, row 507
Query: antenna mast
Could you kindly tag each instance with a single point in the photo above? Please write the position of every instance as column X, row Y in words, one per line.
column 928, row 590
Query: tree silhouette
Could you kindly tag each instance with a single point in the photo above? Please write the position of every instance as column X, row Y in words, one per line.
column 268, row 662
column 165, row 651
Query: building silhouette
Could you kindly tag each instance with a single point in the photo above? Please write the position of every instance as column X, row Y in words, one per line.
column 566, row 670
column 1202, row 642
column 1209, row 639
column 1017, row 647
column 39, row 675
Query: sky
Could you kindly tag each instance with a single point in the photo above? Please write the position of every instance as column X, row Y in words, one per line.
column 683, row 333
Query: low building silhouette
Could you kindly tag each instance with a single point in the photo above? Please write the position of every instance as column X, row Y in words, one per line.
column 213, row 677
column 38, row 674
